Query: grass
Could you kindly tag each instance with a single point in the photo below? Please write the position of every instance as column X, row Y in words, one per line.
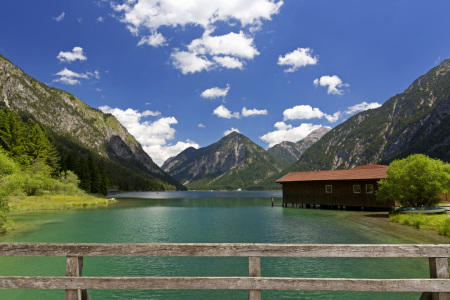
column 54, row 202
column 439, row 223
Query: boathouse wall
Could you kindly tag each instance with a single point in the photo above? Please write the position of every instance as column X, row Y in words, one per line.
column 342, row 194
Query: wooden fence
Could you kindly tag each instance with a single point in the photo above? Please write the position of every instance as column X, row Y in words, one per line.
column 76, row 286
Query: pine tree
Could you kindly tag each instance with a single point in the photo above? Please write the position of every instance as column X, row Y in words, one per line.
column 83, row 174
column 94, row 175
column 104, row 183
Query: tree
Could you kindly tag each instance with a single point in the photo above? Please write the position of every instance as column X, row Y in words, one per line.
column 415, row 181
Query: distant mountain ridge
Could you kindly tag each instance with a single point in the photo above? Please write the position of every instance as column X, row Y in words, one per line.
column 289, row 152
column 232, row 162
column 415, row 121
column 75, row 123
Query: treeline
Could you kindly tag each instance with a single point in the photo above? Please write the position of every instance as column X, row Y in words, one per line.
column 26, row 142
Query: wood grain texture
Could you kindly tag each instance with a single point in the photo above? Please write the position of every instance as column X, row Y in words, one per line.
column 226, row 283
column 439, row 269
column 224, row 250
column 254, row 270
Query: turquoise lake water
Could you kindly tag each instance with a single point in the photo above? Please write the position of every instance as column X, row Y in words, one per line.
column 213, row 217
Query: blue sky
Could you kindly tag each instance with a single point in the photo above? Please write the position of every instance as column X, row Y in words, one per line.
column 179, row 73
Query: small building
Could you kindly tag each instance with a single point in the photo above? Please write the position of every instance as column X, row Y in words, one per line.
column 111, row 192
column 353, row 188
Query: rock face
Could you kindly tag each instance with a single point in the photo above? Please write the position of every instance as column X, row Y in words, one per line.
column 68, row 116
column 234, row 161
column 289, row 152
column 415, row 121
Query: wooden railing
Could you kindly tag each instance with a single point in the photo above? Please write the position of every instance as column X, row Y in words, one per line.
column 76, row 286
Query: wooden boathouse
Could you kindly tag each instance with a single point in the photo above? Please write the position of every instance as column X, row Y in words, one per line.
column 353, row 188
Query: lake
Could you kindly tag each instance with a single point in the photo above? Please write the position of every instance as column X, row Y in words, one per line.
column 213, row 217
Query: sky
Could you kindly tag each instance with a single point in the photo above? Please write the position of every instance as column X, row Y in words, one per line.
column 185, row 73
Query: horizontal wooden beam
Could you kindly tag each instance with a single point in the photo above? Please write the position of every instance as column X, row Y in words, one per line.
column 223, row 250
column 228, row 283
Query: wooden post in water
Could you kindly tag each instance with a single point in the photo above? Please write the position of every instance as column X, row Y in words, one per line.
column 254, row 270
column 74, row 268
column 272, row 201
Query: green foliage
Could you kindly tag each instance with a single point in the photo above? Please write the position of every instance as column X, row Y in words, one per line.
column 415, row 181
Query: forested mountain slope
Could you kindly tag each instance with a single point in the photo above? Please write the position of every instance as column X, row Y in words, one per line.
column 232, row 162
column 79, row 129
column 289, row 152
column 415, row 121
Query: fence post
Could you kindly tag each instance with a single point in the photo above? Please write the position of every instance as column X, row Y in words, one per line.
column 74, row 268
column 439, row 269
column 254, row 270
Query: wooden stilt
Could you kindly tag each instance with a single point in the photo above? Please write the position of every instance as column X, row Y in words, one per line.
column 439, row 270
column 254, row 270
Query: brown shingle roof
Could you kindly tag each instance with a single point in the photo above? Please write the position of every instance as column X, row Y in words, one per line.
column 361, row 172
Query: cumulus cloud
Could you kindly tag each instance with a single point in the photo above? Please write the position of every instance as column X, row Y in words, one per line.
column 297, row 59
column 251, row 112
column 307, row 112
column 215, row 92
column 201, row 125
column 155, row 40
column 227, row 132
column 60, row 17
column 229, row 62
column 152, row 14
column 234, row 47
column 80, row 19
column 188, row 62
column 223, row 112
column 228, row 50
column 152, row 135
column 77, row 53
column 286, row 132
column 361, row 107
column 333, row 83
column 160, row 153
column 100, row 19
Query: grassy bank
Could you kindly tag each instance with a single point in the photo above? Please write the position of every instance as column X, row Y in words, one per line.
column 54, row 202
column 439, row 223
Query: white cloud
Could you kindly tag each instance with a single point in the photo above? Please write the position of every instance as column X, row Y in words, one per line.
column 80, row 19
column 307, row 112
column 361, row 107
column 155, row 40
column 201, row 125
column 238, row 45
column 188, row 62
column 286, row 132
column 77, row 53
column 223, row 112
column 215, row 92
column 152, row 135
column 251, row 112
column 297, row 58
column 160, row 153
column 229, row 62
column 333, row 83
column 60, row 17
column 100, row 19
column 227, row 132
column 69, row 77
column 153, row 14
column 99, row 90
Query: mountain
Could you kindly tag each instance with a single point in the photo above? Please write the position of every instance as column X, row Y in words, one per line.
column 289, row 152
column 415, row 121
column 232, row 162
column 79, row 128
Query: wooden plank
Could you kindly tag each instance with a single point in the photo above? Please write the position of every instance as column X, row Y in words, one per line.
column 227, row 283
column 254, row 270
column 224, row 250
column 439, row 269
column 72, row 270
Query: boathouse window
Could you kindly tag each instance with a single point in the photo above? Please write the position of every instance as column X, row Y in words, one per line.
column 369, row 188
column 356, row 189
column 328, row 189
